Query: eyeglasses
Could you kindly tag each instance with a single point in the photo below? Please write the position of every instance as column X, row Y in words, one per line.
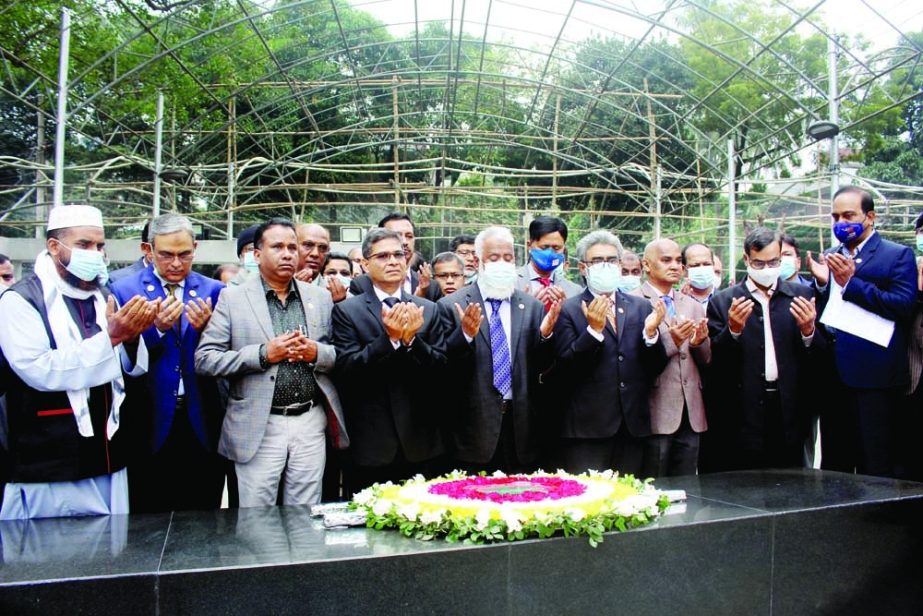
column 449, row 276
column 384, row 257
column 600, row 260
column 321, row 248
column 168, row 257
column 758, row 264
column 465, row 253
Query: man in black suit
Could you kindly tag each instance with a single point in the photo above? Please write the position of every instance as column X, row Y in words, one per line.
column 389, row 350
column 497, row 359
column 763, row 342
column 609, row 352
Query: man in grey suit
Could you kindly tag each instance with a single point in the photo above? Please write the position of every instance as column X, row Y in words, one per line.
column 543, row 275
column 675, row 400
column 496, row 362
column 268, row 337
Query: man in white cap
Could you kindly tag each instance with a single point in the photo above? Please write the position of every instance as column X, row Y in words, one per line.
column 66, row 344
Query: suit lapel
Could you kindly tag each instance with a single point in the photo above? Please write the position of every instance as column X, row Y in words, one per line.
column 307, row 305
column 474, row 297
column 517, row 308
column 151, row 285
column 190, row 293
column 257, row 301
column 868, row 251
column 619, row 312
column 373, row 305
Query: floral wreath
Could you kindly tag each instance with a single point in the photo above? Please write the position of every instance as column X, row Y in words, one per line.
column 499, row 507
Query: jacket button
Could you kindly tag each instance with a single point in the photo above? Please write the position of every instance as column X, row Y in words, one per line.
column 272, row 378
column 621, row 358
column 622, row 385
column 682, row 356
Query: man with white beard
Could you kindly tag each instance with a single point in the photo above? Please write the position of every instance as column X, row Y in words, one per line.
column 498, row 343
column 66, row 345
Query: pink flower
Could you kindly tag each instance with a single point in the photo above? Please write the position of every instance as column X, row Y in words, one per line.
column 515, row 488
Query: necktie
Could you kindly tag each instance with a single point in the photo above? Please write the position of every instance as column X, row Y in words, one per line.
column 500, row 352
column 390, row 301
column 545, row 282
column 671, row 307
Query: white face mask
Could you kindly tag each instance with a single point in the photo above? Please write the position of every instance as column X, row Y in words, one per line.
column 497, row 279
column 603, row 278
column 764, row 277
column 701, row 277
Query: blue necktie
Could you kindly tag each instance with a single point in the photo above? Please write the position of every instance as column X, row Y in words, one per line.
column 500, row 352
column 671, row 308
column 390, row 302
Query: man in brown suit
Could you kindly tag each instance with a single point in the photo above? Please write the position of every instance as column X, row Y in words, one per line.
column 677, row 410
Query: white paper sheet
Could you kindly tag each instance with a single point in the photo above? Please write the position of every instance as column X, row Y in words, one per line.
column 850, row 318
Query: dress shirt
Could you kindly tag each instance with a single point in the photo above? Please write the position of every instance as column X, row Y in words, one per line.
column 505, row 317
column 295, row 379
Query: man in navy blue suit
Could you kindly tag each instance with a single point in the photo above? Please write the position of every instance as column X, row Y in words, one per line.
column 184, row 471
column 879, row 276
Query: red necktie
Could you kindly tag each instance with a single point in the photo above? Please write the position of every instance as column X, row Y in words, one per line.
column 545, row 282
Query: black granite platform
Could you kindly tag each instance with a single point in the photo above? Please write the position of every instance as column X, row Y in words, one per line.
column 775, row 542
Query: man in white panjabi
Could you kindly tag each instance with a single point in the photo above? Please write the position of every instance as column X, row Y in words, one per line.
column 66, row 344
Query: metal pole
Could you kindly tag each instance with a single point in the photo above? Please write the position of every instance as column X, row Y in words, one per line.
column 61, row 118
column 41, row 210
column 232, row 165
column 732, row 215
column 397, row 139
column 158, row 153
column 834, row 102
column 657, row 201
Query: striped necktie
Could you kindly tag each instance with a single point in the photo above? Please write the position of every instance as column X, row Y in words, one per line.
column 500, row 352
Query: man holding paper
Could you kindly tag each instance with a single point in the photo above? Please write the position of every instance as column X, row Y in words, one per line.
column 868, row 286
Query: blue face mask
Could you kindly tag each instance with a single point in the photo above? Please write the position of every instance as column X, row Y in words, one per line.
column 603, row 277
column 87, row 265
column 847, row 231
column 546, row 260
column 920, row 242
column 629, row 283
column 250, row 263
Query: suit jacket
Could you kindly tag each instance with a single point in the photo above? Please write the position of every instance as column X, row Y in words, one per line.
column 606, row 382
column 129, row 271
column 915, row 348
column 173, row 358
column 387, row 392
column 680, row 382
column 524, row 281
column 885, row 283
column 738, row 367
column 476, row 421
column 230, row 348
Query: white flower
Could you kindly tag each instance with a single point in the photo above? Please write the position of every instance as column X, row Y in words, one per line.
column 512, row 519
column 499, row 474
column 363, row 497
column 418, row 477
column 576, row 514
column 382, row 507
column 483, row 519
column 432, row 517
column 409, row 510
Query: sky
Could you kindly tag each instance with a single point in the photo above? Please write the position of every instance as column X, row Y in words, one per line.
column 536, row 23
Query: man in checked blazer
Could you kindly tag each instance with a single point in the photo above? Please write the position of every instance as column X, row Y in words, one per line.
column 269, row 338
column 675, row 400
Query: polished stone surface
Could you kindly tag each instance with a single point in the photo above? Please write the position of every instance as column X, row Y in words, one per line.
column 770, row 542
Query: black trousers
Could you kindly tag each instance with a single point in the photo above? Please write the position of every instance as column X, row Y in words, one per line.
column 505, row 458
column 357, row 477
column 621, row 452
column 668, row 455
column 182, row 476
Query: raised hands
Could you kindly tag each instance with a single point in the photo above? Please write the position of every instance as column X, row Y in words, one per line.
column 551, row 317
column 130, row 320
column 740, row 310
column 471, row 318
column 336, row 288
column 597, row 312
column 804, row 312
column 403, row 321
column 654, row 319
column 170, row 311
column 198, row 313
column 841, row 268
column 819, row 269
column 426, row 278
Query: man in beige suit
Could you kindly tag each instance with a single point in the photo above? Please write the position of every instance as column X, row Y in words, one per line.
column 677, row 410
column 269, row 338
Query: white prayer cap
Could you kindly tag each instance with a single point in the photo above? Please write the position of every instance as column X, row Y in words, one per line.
column 64, row 216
